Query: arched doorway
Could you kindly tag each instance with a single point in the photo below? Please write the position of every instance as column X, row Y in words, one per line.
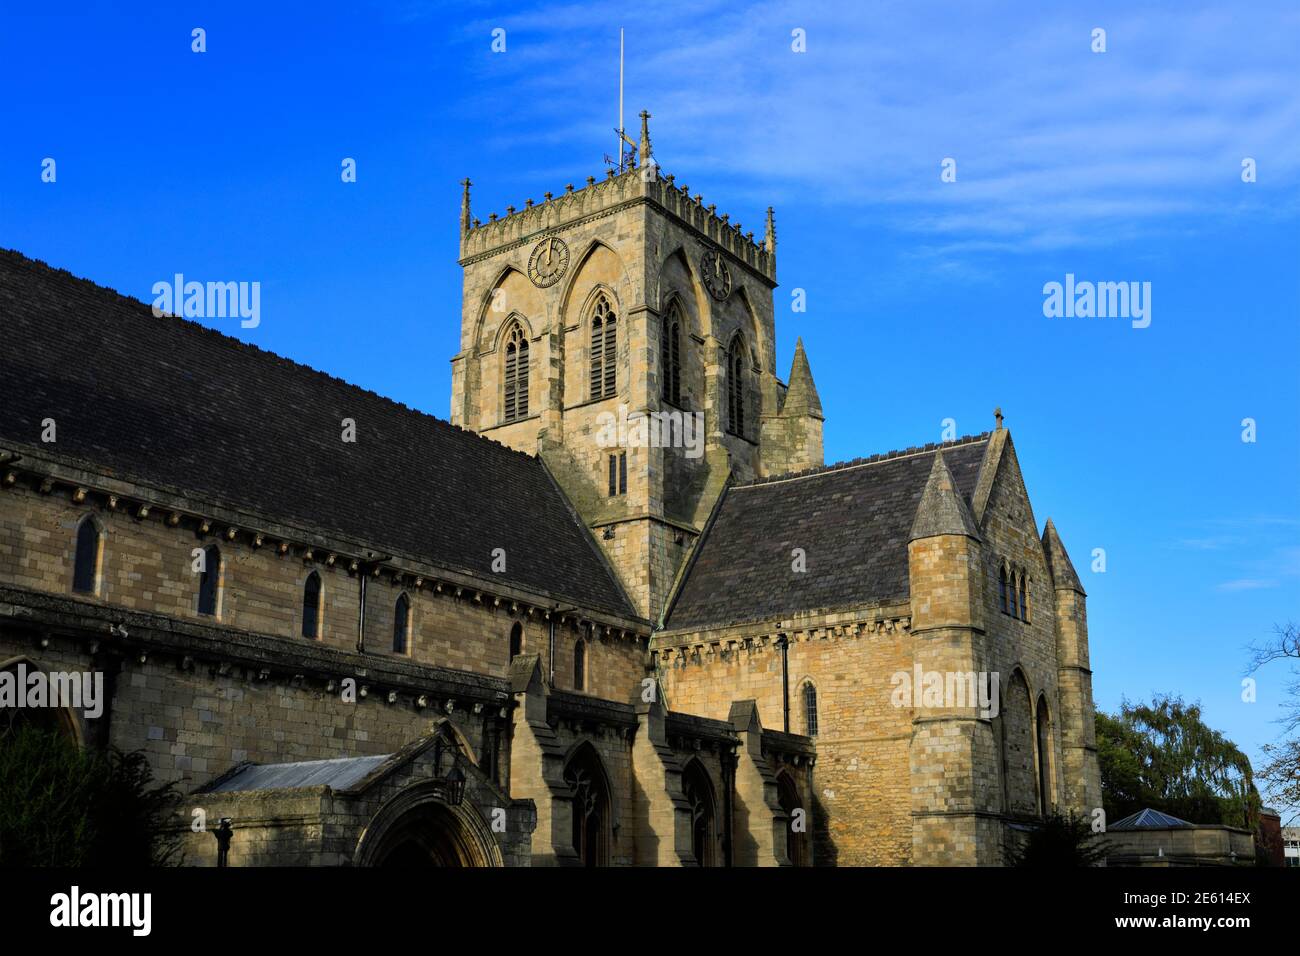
column 591, row 834
column 428, row 837
column 418, row 829
column 796, row 840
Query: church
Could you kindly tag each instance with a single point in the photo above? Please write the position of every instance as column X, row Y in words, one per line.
column 359, row 635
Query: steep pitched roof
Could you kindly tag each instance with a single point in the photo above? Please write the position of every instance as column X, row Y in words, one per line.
column 801, row 397
column 1058, row 559
column 852, row 520
column 942, row 509
column 168, row 402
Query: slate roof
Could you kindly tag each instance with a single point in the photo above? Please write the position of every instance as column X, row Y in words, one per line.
column 168, row 402
column 338, row 774
column 1148, row 819
column 852, row 520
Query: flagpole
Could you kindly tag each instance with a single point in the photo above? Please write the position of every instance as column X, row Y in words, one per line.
column 620, row 99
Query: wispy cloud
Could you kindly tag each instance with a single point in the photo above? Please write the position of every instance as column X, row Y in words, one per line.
column 1247, row 584
column 1056, row 146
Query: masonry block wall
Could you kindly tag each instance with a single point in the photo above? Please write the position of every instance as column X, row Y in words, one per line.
column 861, row 798
column 148, row 564
column 1022, row 653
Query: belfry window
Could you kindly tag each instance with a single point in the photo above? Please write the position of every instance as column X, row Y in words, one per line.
column 670, row 360
column 604, row 349
column 85, row 568
column 1024, row 599
column 516, row 374
column 516, row 640
column 402, row 625
column 1002, row 591
column 1011, row 595
column 210, row 581
column 311, row 606
column 618, row 474
column 736, row 387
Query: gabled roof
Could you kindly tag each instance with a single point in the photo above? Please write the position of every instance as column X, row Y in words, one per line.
column 1148, row 819
column 168, row 402
column 852, row 520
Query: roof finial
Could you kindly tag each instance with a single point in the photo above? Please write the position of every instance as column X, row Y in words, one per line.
column 997, row 413
column 464, row 206
column 769, row 237
column 644, row 145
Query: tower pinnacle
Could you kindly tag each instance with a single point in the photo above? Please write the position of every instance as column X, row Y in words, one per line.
column 643, row 148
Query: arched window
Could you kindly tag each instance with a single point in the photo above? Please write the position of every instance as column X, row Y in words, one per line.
column 670, row 357
column 1024, row 598
column 311, row 606
column 698, row 790
column 402, row 625
column 1044, row 759
column 736, row 386
column 604, row 349
column 586, row 778
column 810, row 709
column 1018, row 747
column 516, row 640
column 85, row 566
column 580, row 665
column 1011, row 594
column 516, row 374
column 796, row 827
column 210, row 581
column 1002, row 590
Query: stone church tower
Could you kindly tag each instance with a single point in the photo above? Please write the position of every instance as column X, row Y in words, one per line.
column 626, row 303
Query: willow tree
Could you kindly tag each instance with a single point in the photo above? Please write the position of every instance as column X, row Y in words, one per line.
column 1162, row 755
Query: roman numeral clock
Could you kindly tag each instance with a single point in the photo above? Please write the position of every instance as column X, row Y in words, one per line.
column 547, row 264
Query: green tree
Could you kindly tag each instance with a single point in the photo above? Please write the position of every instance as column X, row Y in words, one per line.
column 1162, row 755
column 61, row 805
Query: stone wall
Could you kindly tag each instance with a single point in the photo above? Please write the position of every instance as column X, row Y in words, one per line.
column 860, row 804
column 147, row 564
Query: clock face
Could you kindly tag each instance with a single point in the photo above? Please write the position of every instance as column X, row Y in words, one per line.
column 547, row 263
column 717, row 279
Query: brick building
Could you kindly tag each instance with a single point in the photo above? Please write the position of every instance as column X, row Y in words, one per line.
column 370, row 636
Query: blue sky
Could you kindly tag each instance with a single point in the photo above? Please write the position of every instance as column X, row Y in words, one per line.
column 1115, row 166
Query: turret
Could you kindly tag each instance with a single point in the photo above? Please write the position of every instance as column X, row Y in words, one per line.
column 952, row 750
column 1082, row 777
column 792, row 441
